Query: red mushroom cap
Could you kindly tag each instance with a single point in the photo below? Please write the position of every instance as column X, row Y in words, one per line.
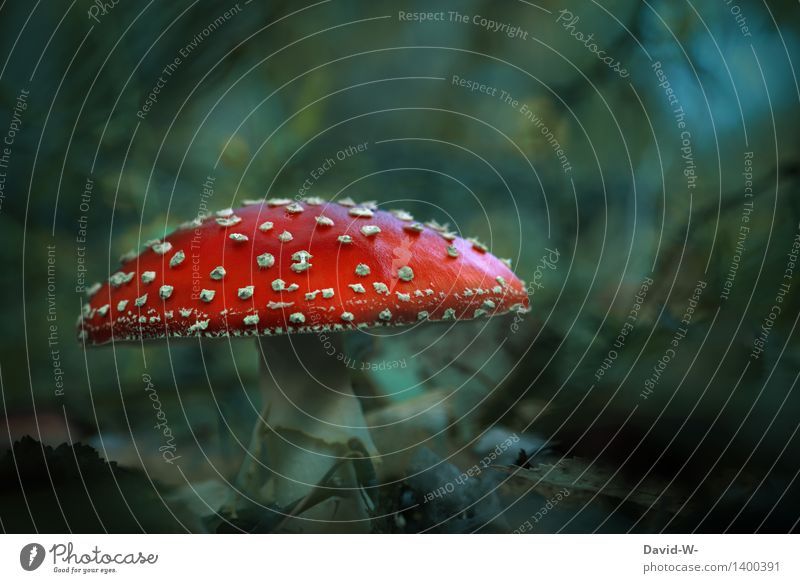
column 282, row 266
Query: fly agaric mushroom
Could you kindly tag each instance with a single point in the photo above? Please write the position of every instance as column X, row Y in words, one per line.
column 281, row 267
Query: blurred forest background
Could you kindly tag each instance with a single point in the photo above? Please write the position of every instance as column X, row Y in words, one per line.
column 261, row 97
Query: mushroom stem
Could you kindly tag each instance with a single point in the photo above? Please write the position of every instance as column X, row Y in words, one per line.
column 310, row 418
